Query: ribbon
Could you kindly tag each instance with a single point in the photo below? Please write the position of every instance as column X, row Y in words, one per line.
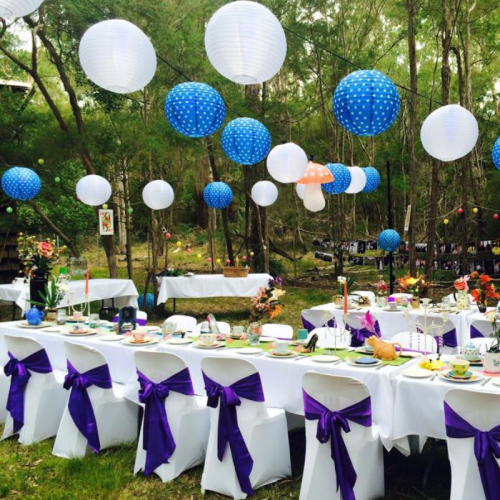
column 310, row 327
column 486, row 449
column 475, row 333
column 359, row 335
column 228, row 431
column 80, row 406
column 330, row 427
column 449, row 338
column 158, row 441
column 37, row 362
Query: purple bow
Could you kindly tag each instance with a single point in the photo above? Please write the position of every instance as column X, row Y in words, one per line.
column 37, row 362
column 475, row 333
column 449, row 338
column 359, row 335
column 310, row 327
column 80, row 406
column 330, row 426
column 486, row 449
column 157, row 436
column 228, row 431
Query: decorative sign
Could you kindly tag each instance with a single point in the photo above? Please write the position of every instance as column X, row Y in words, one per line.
column 407, row 219
column 106, row 223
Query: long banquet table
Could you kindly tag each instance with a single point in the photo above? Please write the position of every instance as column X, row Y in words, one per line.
column 281, row 378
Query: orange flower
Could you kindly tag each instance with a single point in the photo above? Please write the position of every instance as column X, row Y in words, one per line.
column 484, row 279
column 275, row 312
column 475, row 274
column 475, row 295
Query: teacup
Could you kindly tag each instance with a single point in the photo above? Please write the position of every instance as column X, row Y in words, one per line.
column 281, row 346
column 393, row 305
column 207, row 339
column 459, row 367
column 139, row 335
column 238, row 330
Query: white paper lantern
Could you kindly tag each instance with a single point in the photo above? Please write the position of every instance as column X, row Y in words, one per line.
column 300, row 189
column 358, row 180
column 449, row 133
column 287, row 163
column 245, row 42
column 93, row 190
column 18, row 8
column 117, row 56
column 264, row 193
column 158, row 195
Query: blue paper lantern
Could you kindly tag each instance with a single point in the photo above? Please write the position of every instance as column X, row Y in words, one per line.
column 246, row 141
column 217, row 195
column 366, row 102
column 341, row 178
column 195, row 109
column 21, row 183
column 496, row 153
column 372, row 179
column 389, row 240
column 150, row 301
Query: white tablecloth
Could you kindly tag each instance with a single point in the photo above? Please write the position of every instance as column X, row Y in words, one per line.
column 210, row 285
column 123, row 290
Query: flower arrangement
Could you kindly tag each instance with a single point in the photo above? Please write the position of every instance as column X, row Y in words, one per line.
column 417, row 286
column 381, row 287
column 484, row 290
column 461, row 284
column 54, row 294
column 341, row 281
column 38, row 256
column 267, row 301
column 368, row 322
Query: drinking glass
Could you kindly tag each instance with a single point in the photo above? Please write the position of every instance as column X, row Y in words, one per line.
column 94, row 320
column 61, row 317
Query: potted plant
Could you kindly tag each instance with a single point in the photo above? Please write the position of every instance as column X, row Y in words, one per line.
column 338, row 299
column 484, row 291
column 417, row 287
column 491, row 361
column 51, row 297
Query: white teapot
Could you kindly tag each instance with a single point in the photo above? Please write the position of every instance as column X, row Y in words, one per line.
column 471, row 352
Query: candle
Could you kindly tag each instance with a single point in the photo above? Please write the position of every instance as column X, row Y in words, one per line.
column 345, row 297
column 87, row 282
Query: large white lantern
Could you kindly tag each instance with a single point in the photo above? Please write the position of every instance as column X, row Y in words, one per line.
column 93, row 190
column 300, row 189
column 449, row 133
column 245, row 42
column 117, row 56
column 358, row 180
column 158, row 195
column 264, row 193
column 18, row 8
column 287, row 162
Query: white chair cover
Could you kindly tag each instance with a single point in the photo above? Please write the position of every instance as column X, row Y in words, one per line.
column 44, row 397
column 482, row 411
column 116, row 417
column 277, row 331
column 224, row 328
column 484, row 326
column 188, row 417
column 450, row 299
column 319, row 480
column 326, row 336
column 447, row 327
column 187, row 323
column 4, row 393
column 416, row 341
column 369, row 295
column 263, row 429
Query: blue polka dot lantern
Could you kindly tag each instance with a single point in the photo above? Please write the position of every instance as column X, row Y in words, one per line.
column 195, row 109
column 150, row 301
column 246, row 141
column 341, row 178
column 21, row 183
column 496, row 153
column 389, row 240
column 218, row 195
column 372, row 179
column 366, row 102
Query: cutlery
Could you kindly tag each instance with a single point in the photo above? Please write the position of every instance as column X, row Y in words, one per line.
column 337, row 362
column 433, row 377
column 380, row 367
column 486, row 381
column 300, row 358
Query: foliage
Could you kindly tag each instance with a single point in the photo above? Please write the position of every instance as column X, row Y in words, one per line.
column 417, row 286
column 53, row 295
column 267, row 302
column 485, row 289
column 345, row 282
column 38, row 257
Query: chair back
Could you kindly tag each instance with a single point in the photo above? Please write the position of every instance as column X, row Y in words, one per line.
column 354, row 319
column 484, row 326
column 83, row 357
column 224, row 328
column 436, row 320
column 326, row 336
column 450, row 299
column 317, row 317
column 187, row 323
column 22, row 347
column 416, row 341
column 278, row 331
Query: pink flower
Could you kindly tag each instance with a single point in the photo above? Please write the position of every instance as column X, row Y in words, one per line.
column 368, row 322
column 45, row 249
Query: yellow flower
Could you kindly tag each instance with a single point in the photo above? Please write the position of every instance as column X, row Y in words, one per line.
column 411, row 281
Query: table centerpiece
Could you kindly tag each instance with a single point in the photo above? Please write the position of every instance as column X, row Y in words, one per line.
column 345, row 285
column 484, row 291
column 417, row 287
column 381, row 290
column 52, row 296
column 462, row 293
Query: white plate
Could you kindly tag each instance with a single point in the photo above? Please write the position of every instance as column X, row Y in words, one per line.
column 387, row 308
column 277, row 356
column 111, row 337
column 411, row 354
column 476, row 377
column 129, row 341
column 267, row 339
column 337, row 347
column 417, row 372
column 25, row 324
column 351, row 362
column 151, row 328
column 324, row 358
column 178, row 341
column 86, row 334
column 249, row 350
column 53, row 329
column 83, row 319
column 213, row 346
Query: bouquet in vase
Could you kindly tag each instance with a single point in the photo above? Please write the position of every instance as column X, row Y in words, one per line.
column 38, row 257
column 484, row 291
column 417, row 286
column 267, row 302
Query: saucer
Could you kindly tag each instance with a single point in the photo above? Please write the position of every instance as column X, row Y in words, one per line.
column 110, row 337
column 468, row 374
column 215, row 345
column 267, row 339
column 175, row 341
column 249, row 351
column 79, row 334
column 132, row 342
column 324, row 358
column 25, row 324
column 288, row 354
column 446, row 375
column 355, row 362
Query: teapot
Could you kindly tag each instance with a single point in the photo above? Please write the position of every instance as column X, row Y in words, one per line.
column 471, row 351
column 34, row 316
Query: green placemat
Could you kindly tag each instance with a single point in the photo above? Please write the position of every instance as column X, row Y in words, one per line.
column 395, row 362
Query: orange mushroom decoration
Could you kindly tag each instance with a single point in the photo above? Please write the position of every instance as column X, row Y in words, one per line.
column 315, row 175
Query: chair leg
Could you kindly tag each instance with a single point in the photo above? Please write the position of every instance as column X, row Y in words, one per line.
column 430, row 463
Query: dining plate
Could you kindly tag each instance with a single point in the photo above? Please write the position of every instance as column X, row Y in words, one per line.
column 411, row 354
column 417, row 372
column 211, row 346
column 82, row 334
column 396, row 309
column 151, row 328
column 352, row 362
column 365, row 349
column 446, row 375
column 267, row 339
column 71, row 319
column 178, row 341
column 249, row 350
column 111, row 337
column 25, row 324
column 53, row 329
column 290, row 354
column 324, row 358
column 337, row 347
column 132, row 342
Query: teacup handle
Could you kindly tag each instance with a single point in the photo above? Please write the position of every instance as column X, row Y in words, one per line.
column 398, row 353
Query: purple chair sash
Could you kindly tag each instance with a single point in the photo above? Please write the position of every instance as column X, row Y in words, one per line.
column 310, row 327
column 80, row 406
column 37, row 362
column 359, row 335
column 158, row 441
column 330, row 426
column 475, row 333
column 486, row 449
column 449, row 338
column 228, row 431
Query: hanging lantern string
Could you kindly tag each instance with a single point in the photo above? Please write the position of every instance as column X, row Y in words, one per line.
column 496, row 210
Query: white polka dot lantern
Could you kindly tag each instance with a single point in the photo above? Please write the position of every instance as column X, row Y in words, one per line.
column 287, row 163
column 358, row 180
column 264, row 193
column 245, row 42
column 366, row 102
column 12, row 9
column 449, row 133
column 21, row 183
column 315, row 175
column 158, row 195
column 93, row 190
column 117, row 56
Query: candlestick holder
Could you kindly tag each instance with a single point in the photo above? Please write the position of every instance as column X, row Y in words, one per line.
column 432, row 328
